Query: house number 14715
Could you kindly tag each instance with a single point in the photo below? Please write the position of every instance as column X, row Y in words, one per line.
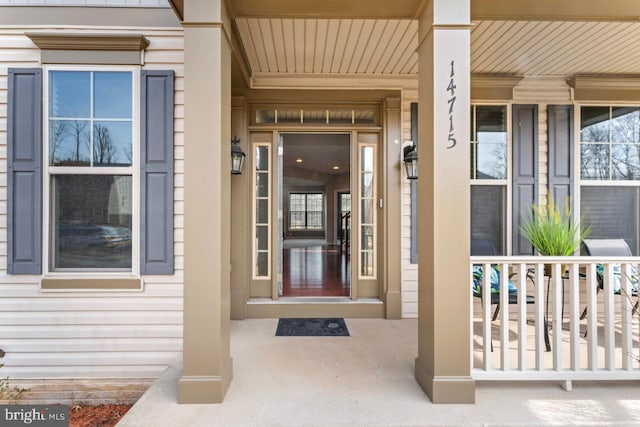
column 451, row 101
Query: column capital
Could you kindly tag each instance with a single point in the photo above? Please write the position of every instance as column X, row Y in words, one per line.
column 203, row 10
column 445, row 12
column 444, row 15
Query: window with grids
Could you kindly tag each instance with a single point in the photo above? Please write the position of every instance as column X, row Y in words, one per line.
column 488, row 170
column 89, row 149
column 610, row 172
column 306, row 211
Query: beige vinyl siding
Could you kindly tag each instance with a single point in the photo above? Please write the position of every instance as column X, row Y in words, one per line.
column 409, row 271
column 99, row 334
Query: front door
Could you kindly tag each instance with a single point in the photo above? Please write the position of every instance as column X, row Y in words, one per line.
column 316, row 215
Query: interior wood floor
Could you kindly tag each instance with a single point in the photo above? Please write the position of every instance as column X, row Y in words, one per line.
column 313, row 271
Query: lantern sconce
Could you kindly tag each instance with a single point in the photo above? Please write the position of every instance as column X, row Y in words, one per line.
column 410, row 157
column 237, row 156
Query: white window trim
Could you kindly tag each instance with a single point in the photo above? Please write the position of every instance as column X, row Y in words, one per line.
column 507, row 183
column 133, row 170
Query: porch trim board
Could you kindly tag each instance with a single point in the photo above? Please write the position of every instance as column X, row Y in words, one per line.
column 549, row 375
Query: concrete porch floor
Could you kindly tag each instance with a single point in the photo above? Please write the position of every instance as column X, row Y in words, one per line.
column 366, row 380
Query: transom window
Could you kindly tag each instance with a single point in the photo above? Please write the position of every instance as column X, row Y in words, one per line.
column 363, row 115
column 306, row 211
column 90, row 152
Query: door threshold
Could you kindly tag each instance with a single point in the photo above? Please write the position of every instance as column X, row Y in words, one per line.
column 261, row 308
column 314, row 300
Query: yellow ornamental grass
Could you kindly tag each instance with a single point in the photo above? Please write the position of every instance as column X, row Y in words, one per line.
column 551, row 230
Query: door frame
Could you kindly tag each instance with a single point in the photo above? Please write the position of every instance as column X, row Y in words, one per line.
column 259, row 301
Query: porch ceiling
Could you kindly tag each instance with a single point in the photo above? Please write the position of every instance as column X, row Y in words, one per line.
column 387, row 47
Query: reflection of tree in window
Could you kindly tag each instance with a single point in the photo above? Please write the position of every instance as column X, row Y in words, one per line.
column 104, row 150
column 57, row 132
column 595, row 161
column 488, row 142
column 609, row 143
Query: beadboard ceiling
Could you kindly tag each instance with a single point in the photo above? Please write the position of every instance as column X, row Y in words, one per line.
column 277, row 46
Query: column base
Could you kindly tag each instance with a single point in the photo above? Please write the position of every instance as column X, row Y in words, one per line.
column 205, row 389
column 393, row 305
column 238, row 306
column 441, row 389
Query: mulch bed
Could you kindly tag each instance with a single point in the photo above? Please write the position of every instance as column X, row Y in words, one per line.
column 96, row 416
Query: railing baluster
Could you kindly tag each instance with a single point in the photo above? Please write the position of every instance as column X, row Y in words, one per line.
column 609, row 337
column 608, row 357
column 522, row 316
column 592, row 310
column 472, row 319
column 574, row 301
column 556, row 276
column 504, row 318
column 540, row 325
column 636, row 301
column 486, row 315
column 625, row 311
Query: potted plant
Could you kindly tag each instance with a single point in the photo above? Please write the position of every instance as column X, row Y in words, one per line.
column 552, row 231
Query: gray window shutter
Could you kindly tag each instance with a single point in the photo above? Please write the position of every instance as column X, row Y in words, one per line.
column 156, row 180
column 525, row 171
column 560, row 125
column 24, row 171
column 414, row 189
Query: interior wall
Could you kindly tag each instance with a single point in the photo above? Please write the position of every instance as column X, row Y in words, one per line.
column 338, row 183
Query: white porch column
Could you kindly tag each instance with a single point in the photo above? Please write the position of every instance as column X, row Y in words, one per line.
column 443, row 366
column 207, row 186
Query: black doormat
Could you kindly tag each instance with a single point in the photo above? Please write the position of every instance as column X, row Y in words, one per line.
column 324, row 327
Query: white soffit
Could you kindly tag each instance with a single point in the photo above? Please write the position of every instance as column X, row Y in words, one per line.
column 387, row 47
column 552, row 48
column 330, row 46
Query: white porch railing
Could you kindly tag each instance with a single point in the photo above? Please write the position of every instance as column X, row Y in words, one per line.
column 592, row 334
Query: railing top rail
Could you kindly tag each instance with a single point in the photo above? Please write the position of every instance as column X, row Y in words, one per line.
column 551, row 259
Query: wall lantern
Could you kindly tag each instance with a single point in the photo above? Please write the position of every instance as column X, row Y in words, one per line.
column 237, row 156
column 411, row 160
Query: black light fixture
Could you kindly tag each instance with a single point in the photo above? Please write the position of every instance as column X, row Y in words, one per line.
column 411, row 161
column 237, row 156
